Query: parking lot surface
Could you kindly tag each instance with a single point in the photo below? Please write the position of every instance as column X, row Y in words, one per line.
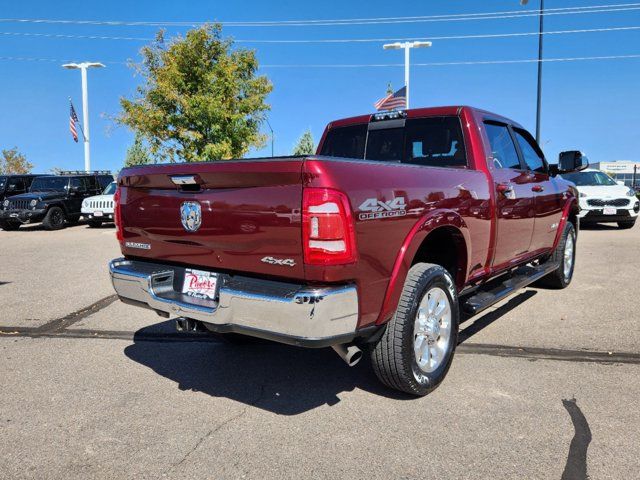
column 544, row 385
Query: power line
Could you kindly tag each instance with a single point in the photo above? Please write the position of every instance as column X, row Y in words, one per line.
column 356, row 21
column 343, row 40
column 376, row 65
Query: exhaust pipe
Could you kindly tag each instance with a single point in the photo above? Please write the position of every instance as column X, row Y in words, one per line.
column 349, row 353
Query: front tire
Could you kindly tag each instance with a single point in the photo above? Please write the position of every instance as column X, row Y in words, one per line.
column 565, row 256
column 626, row 225
column 416, row 350
column 54, row 219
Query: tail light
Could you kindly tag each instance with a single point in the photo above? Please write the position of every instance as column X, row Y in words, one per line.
column 117, row 218
column 327, row 228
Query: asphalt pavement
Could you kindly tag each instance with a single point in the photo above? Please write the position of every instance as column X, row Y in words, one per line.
column 544, row 385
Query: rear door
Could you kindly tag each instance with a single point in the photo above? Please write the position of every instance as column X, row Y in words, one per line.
column 547, row 195
column 514, row 198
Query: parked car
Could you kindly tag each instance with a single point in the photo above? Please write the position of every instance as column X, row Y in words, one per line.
column 604, row 200
column 408, row 220
column 99, row 209
column 15, row 184
column 54, row 200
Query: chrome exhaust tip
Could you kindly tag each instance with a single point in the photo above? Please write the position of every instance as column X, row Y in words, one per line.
column 349, row 353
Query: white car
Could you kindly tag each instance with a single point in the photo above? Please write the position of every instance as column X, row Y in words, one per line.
column 602, row 199
column 99, row 209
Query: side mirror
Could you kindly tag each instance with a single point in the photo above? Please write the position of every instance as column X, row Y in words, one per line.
column 620, row 182
column 572, row 161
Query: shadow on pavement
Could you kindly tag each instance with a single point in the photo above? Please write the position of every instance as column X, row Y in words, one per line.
column 599, row 226
column 279, row 378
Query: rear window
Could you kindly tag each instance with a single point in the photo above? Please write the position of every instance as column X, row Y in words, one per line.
column 346, row 142
column 432, row 141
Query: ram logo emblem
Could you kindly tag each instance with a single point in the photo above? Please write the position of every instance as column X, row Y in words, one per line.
column 191, row 216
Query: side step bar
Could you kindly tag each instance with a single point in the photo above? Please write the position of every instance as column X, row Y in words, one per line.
column 496, row 290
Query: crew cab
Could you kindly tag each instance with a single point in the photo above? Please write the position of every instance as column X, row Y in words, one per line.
column 603, row 200
column 401, row 223
column 54, row 200
column 99, row 209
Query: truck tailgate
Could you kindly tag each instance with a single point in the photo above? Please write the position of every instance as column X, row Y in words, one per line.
column 250, row 214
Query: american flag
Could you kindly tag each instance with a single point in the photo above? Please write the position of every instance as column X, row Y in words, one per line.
column 393, row 100
column 73, row 119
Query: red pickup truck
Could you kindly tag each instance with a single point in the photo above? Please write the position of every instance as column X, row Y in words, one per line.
column 401, row 223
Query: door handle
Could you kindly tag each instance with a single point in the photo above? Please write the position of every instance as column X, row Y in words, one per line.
column 537, row 188
column 506, row 189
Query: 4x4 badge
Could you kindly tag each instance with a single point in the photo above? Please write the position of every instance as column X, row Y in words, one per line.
column 191, row 216
column 380, row 209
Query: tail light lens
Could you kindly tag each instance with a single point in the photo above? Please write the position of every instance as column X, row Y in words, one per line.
column 117, row 219
column 327, row 227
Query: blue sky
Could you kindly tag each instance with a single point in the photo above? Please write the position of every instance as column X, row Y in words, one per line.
column 589, row 105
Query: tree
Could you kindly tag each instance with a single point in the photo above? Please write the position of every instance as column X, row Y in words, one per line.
column 137, row 154
column 305, row 145
column 201, row 98
column 12, row 161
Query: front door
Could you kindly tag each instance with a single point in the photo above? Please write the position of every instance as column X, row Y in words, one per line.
column 514, row 197
column 548, row 197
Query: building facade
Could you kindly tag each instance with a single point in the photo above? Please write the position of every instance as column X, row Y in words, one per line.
column 621, row 170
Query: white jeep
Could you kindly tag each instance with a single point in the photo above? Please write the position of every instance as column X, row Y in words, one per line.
column 99, row 209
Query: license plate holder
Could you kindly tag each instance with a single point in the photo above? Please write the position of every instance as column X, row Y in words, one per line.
column 98, row 214
column 200, row 284
column 609, row 211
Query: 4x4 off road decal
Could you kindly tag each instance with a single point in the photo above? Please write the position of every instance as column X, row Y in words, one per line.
column 375, row 208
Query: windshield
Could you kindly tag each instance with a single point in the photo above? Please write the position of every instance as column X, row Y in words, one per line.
column 589, row 179
column 49, row 184
column 111, row 189
column 3, row 182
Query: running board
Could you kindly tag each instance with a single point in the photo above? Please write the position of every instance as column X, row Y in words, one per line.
column 496, row 290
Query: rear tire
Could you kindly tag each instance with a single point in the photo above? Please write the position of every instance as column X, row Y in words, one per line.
column 416, row 350
column 626, row 225
column 54, row 219
column 94, row 223
column 565, row 256
column 9, row 226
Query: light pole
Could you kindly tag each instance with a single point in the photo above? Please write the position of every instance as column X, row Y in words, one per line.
column 407, row 46
column 539, row 92
column 85, row 105
column 271, row 129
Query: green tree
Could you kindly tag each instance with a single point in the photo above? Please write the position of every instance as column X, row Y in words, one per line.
column 12, row 161
column 201, row 98
column 137, row 154
column 305, row 145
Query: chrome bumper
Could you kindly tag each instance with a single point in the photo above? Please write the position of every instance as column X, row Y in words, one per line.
column 291, row 313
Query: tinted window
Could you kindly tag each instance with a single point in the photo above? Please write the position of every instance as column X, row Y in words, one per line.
column 435, row 142
column 81, row 183
column 16, row 184
column 48, row 184
column 104, row 180
column 385, row 144
column 532, row 156
column 502, row 148
column 111, row 189
column 347, row 142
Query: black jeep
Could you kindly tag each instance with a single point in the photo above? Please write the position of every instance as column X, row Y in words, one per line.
column 15, row 184
column 54, row 200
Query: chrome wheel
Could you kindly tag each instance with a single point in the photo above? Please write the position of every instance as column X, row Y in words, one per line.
column 569, row 247
column 432, row 330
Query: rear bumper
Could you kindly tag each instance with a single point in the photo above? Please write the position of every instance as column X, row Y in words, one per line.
column 289, row 313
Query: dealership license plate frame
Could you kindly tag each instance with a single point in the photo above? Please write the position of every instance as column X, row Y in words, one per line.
column 609, row 211
column 98, row 213
column 205, row 287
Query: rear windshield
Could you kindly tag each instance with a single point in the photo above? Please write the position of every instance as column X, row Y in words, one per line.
column 433, row 141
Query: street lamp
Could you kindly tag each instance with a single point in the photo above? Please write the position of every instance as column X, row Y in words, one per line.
column 539, row 94
column 85, row 105
column 407, row 46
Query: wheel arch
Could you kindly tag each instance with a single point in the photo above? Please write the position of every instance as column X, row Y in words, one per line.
column 441, row 237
